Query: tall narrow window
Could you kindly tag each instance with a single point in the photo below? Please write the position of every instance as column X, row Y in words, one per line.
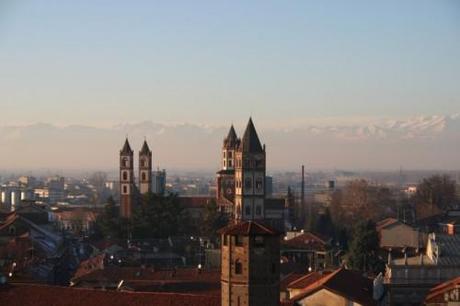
column 125, row 175
column 247, row 210
column 144, row 177
column 238, row 267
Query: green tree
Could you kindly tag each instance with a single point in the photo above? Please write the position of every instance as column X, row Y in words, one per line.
column 363, row 252
column 213, row 220
column 437, row 190
column 324, row 224
column 159, row 217
column 108, row 221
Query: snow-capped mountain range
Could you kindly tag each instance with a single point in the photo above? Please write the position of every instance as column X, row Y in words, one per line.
column 416, row 142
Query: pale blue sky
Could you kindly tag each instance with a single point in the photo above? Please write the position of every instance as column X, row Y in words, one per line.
column 107, row 62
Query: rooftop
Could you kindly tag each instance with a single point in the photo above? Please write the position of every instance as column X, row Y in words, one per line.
column 248, row 228
column 40, row 295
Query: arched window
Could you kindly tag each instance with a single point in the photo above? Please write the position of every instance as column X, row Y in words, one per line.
column 125, row 175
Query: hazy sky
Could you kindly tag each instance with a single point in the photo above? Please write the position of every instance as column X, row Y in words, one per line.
column 100, row 62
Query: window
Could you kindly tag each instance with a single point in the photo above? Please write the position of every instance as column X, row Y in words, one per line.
column 12, row 230
column 248, row 183
column 144, row 177
column 238, row 267
column 125, row 189
column 259, row 163
column 230, row 154
column 258, row 210
column 125, row 162
column 125, row 175
column 238, row 240
column 259, row 183
column 225, row 163
column 259, row 241
column 229, row 163
column 225, row 240
column 247, row 210
column 143, row 163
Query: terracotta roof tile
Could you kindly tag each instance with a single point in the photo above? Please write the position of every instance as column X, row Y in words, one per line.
column 339, row 282
column 39, row 295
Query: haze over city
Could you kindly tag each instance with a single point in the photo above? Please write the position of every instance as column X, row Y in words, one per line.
column 337, row 82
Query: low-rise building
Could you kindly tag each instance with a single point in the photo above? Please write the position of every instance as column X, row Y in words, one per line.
column 410, row 278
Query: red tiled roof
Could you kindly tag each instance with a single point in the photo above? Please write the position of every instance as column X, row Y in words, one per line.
column 436, row 294
column 247, row 228
column 384, row 223
column 307, row 240
column 117, row 274
column 89, row 265
column 286, row 280
column 195, row 201
column 39, row 295
column 339, row 282
column 307, row 280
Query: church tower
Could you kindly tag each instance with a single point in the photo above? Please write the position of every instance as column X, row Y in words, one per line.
column 250, row 250
column 127, row 187
column 226, row 176
column 250, row 260
column 145, row 169
column 249, row 177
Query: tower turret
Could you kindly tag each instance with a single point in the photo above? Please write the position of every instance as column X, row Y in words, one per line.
column 127, row 187
column 249, row 176
column 145, row 169
column 226, row 176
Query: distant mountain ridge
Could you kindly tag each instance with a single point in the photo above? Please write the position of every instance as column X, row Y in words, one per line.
column 417, row 142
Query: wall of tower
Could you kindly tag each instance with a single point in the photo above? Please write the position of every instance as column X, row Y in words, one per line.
column 145, row 173
column 126, row 185
column 249, row 186
column 257, row 283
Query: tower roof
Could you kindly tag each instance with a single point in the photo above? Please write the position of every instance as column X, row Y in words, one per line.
column 145, row 149
column 231, row 140
column 250, row 141
column 248, row 228
column 126, row 148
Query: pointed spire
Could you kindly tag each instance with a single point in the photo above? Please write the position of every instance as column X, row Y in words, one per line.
column 145, row 149
column 126, row 148
column 250, row 141
column 231, row 139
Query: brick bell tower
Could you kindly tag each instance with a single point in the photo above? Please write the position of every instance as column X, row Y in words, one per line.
column 145, row 169
column 127, row 187
column 226, row 176
column 249, row 177
column 250, row 250
column 250, row 255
